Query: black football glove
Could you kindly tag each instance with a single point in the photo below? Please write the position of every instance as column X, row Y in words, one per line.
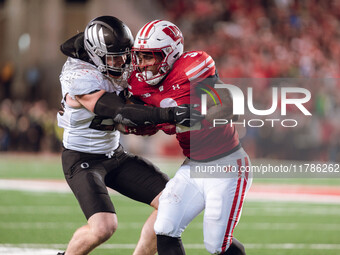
column 186, row 115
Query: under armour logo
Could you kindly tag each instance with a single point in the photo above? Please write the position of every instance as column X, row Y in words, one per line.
column 132, row 130
column 146, row 95
column 174, row 87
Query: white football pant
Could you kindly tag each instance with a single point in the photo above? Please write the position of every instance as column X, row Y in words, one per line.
column 222, row 198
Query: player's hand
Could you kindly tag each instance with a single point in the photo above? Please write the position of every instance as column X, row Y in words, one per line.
column 186, row 115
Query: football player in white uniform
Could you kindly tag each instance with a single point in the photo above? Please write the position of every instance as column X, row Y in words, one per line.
column 91, row 79
column 166, row 76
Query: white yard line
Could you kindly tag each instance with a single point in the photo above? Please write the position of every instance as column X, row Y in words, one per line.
column 35, row 185
column 58, row 225
column 292, row 197
column 26, row 251
column 258, row 192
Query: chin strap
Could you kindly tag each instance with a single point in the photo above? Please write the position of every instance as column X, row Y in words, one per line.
column 147, row 77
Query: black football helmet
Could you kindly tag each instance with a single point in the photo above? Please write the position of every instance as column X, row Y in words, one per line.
column 108, row 41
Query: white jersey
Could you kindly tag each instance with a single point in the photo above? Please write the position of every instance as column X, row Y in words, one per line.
column 80, row 78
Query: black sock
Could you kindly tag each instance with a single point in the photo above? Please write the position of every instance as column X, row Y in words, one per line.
column 236, row 248
column 167, row 245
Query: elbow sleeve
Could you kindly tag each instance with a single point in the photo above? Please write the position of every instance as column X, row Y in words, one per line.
column 108, row 105
column 113, row 106
column 144, row 115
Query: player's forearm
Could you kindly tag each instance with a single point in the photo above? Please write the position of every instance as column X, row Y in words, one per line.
column 132, row 114
column 111, row 105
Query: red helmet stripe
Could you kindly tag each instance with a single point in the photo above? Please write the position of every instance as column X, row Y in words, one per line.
column 141, row 33
column 150, row 26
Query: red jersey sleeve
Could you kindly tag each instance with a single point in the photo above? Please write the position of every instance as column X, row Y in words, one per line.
column 198, row 65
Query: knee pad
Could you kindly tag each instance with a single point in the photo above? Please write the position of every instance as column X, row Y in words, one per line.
column 212, row 248
column 166, row 227
column 171, row 206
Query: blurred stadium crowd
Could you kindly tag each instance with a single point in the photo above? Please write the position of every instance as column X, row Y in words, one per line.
column 28, row 127
column 247, row 39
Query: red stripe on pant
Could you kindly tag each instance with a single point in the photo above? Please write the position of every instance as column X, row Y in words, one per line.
column 231, row 222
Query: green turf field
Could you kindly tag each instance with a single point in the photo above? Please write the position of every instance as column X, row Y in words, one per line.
column 47, row 220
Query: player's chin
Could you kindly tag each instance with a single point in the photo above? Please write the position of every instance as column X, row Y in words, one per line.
column 114, row 76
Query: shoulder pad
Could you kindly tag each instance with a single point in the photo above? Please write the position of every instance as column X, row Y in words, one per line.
column 197, row 65
column 74, row 48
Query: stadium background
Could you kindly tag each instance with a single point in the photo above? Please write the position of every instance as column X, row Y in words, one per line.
column 247, row 39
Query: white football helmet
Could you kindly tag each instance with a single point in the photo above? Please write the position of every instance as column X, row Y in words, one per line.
column 157, row 37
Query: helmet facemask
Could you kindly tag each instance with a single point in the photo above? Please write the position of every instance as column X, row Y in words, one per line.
column 114, row 65
column 155, row 68
column 118, row 66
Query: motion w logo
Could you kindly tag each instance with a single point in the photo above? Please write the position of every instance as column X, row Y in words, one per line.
column 204, row 98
